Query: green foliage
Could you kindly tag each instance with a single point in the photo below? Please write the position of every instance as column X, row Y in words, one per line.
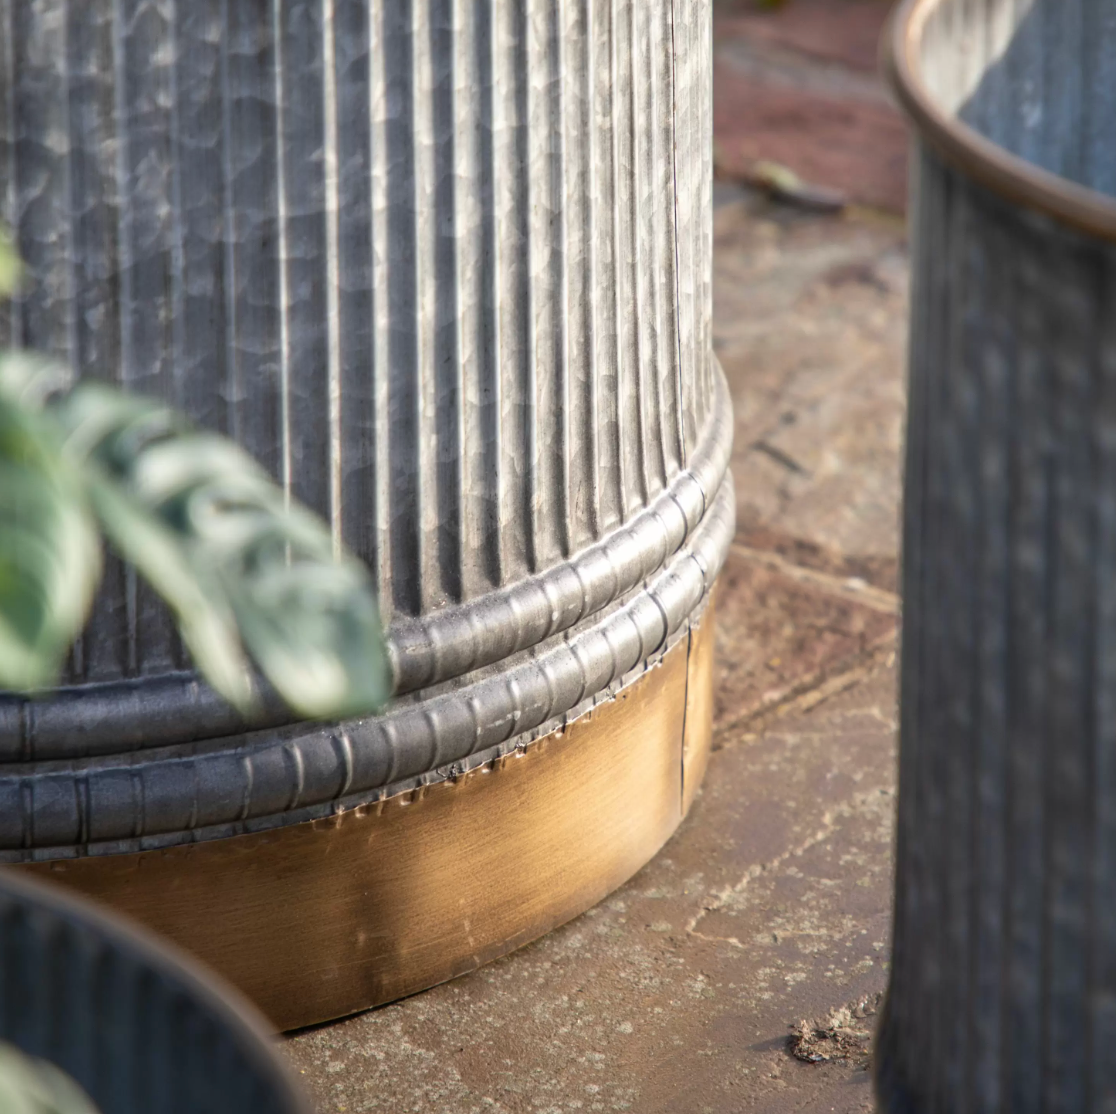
column 10, row 267
column 244, row 572
column 30, row 1086
column 117, row 441
column 204, row 523
column 50, row 556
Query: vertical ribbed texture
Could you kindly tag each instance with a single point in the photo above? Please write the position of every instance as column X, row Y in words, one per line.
column 1003, row 994
column 441, row 265
column 691, row 120
column 122, row 1020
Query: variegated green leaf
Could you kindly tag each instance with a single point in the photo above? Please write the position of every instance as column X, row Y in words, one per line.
column 32, row 1086
column 206, row 525
column 30, row 379
column 107, row 433
column 50, row 555
column 10, row 267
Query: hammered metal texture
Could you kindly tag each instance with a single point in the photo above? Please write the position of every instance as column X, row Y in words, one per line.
column 444, row 268
column 1003, row 986
column 120, row 1014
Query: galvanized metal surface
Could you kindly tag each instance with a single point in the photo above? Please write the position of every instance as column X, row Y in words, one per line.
column 1003, row 980
column 140, row 1027
column 446, row 271
column 87, row 720
column 1037, row 78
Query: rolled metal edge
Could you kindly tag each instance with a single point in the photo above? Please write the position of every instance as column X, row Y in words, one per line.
column 317, row 920
column 996, row 168
column 126, row 716
column 455, row 641
column 157, row 798
column 55, row 916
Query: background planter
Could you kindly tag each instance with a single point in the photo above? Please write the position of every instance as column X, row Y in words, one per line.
column 1003, row 989
column 143, row 1030
column 446, row 271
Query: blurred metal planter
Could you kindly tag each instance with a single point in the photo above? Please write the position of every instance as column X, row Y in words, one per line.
column 445, row 269
column 141, row 1028
column 1003, row 984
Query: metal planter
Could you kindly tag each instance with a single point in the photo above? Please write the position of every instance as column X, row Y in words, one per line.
column 142, row 1029
column 1003, row 984
column 445, row 269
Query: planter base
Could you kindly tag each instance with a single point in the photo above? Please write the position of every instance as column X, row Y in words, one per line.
column 322, row 919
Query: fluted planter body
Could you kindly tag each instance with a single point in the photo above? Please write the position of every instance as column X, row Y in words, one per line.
column 1003, row 985
column 444, row 268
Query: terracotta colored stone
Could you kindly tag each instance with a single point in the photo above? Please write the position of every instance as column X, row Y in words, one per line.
column 845, row 31
column 849, row 143
column 797, row 85
column 778, row 637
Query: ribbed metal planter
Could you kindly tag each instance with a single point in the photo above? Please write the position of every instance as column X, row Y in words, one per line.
column 142, row 1029
column 445, row 269
column 1003, row 985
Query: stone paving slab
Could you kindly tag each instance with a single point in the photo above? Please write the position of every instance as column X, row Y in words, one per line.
column 809, row 324
column 779, row 637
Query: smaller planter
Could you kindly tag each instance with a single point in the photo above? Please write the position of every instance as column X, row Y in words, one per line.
column 141, row 1028
column 1003, row 980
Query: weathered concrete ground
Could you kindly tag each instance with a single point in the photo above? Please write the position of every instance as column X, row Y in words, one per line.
column 771, row 903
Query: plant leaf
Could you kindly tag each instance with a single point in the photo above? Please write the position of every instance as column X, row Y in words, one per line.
column 29, row 379
column 202, row 521
column 107, row 432
column 31, row 1086
column 205, row 620
column 50, row 555
column 10, row 266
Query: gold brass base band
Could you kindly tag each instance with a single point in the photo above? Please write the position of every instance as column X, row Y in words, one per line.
column 318, row 920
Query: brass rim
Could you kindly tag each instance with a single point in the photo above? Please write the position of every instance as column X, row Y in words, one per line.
column 967, row 150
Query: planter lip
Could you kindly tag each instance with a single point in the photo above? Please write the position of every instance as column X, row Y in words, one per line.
column 997, row 169
column 241, row 1020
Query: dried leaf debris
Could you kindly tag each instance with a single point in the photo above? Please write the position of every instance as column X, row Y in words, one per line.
column 842, row 1036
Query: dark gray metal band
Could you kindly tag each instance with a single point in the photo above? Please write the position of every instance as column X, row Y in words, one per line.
column 117, row 717
column 456, row 640
column 199, row 791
